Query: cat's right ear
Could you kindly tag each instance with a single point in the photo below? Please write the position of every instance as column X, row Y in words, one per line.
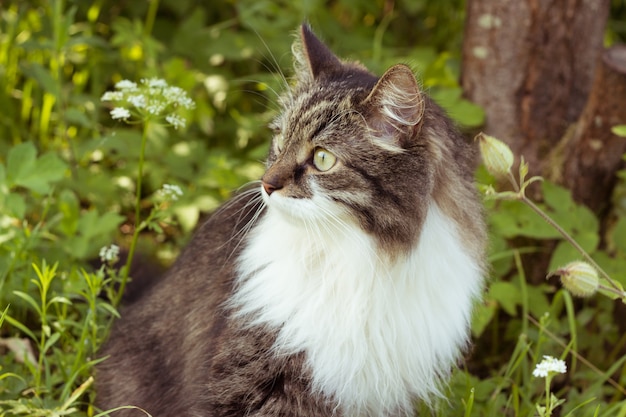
column 312, row 57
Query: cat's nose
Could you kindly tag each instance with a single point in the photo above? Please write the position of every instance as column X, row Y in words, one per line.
column 270, row 188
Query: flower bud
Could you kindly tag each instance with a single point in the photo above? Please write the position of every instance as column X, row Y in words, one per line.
column 497, row 156
column 579, row 278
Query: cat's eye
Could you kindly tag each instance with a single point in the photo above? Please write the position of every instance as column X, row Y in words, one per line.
column 323, row 159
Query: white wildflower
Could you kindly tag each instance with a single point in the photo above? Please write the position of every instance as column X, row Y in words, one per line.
column 549, row 365
column 155, row 82
column 155, row 107
column 126, row 85
column 176, row 120
column 109, row 253
column 112, row 96
column 171, row 191
column 120, row 113
column 152, row 99
column 137, row 100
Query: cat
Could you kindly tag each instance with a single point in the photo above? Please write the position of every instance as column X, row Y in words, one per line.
column 342, row 284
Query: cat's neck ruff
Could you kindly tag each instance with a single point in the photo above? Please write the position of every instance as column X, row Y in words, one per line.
column 377, row 333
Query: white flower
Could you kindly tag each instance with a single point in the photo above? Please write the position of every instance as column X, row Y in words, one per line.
column 155, row 82
column 171, row 191
column 137, row 100
column 126, row 85
column 112, row 96
column 120, row 113
column 155, row 107
column 152, row 99
column 109, row 253
column 549, row 365
column 176, row 120
column 178, row 97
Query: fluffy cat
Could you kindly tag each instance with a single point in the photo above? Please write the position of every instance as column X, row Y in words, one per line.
column 342, row 285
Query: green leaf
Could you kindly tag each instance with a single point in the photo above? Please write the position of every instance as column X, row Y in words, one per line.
column 43, row 77
column 25, row 170
column 15, row 205
column 30, row 300
column 467, row 114
column 13, row 322
column 21, row 161
column 59, row 299
column 619, row 130
column 618, row 235
column 77, row 117
column 483, row 314
column 577, row 220
column 51, row 341
column 507, row 295
column 513, row 218
column 70, row 209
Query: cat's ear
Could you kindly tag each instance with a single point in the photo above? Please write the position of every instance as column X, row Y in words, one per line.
column 313, row 58
column 395, row 107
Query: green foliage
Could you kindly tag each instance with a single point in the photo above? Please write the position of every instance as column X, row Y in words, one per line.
column 70, row 185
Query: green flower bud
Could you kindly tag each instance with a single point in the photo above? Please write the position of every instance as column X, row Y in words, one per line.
column 497, row 156
column 579, row 278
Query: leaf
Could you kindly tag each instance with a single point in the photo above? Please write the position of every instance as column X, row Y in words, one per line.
column 15, row 205
column 43, row 77
column 69, row 208
column 77, row 117
column 51, row 341
column 577, row 220
column 483, row 314
column 59, row 299
column 13, row 322
column 25, row 170
column 21, row 161
column 507, row 295
column 619, row 130
column 514, row 218
column 30, row 300
column 618, row 235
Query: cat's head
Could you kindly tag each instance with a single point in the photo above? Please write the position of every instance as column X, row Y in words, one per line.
column 351, row 146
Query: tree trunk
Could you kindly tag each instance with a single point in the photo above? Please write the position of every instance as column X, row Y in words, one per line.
column 592, row 154
column 530, row 65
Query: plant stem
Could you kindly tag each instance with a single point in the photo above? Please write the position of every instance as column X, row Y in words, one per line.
column 133, row 242
column 150, row 17
column 571, row 240
column 548, row 396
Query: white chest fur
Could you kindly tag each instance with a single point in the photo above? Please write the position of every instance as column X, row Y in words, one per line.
column 376, row 333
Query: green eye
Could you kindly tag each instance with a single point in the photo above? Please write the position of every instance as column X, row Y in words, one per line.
column 323, row 159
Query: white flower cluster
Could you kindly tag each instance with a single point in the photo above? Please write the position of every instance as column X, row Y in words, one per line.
column 152, row 98
column 171, row 192
column 549, row 365
column 109, row 253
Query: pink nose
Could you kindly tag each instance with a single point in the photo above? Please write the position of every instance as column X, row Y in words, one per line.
column 270, row 188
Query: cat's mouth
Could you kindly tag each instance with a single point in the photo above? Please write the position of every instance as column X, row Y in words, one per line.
column 304, row 210
column 295, row 209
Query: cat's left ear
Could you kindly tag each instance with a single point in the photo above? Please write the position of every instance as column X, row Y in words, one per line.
column 395, row 107
column 313, row 58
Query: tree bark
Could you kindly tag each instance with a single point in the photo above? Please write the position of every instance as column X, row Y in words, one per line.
column 592, row 154
column 530, row 65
